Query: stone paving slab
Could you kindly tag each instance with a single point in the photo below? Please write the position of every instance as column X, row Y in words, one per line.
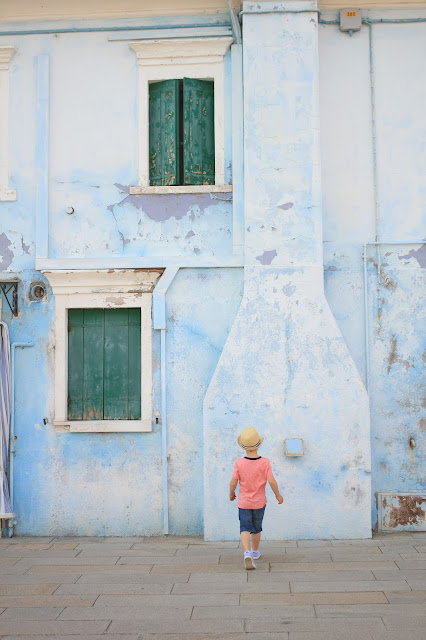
column 126, row 613
column 28, row 589
column 117, row 589
column 47, row 601
column 9, row 561
column 405, row 596
column 350, row 585
column 332, row 566
column 365, row 610
column 405, row 622
column 38, row 578
column 310, row 576
column 205, row 599
column 326, row 625
column 342, row 635
column 215, row 636
column 399, row 635
column 244, row 611
column 31, row 613
column 111, row 636
column 89, row 568
column 131, row 577
column 55, row 628
column 397, row 574
column 203, row 568
column 176, row 626
column 167, row 560
column 223, row 586
column 313, row 598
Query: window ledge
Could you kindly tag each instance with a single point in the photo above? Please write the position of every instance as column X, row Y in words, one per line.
column 7, row 195
column 201, row 188
column 103, row 426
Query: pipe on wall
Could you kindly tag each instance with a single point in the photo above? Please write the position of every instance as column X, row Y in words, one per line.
column 13, row 347
column 160, row 323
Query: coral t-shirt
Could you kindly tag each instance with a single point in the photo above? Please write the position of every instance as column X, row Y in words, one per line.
column 252, row 474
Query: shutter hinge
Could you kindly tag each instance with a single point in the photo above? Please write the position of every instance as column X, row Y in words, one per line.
column 68, row 401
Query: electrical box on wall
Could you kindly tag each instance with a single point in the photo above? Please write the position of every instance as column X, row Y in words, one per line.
column 350, row 19
column 293, row 447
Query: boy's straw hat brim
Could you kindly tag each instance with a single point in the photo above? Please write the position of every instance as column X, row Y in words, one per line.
column 249, row 439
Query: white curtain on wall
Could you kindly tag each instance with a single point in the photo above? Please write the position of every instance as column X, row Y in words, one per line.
column 5, row 391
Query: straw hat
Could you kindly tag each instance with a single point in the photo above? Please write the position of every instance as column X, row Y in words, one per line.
column 249, row 439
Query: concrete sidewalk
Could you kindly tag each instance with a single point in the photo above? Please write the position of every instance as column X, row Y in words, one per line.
column 187, row 589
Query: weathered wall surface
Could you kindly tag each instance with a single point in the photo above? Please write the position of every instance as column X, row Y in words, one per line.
column 110, row 484
column 294, row 360
column 396, row 316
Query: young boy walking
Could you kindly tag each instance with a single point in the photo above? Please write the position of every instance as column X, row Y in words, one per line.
column 252, row 472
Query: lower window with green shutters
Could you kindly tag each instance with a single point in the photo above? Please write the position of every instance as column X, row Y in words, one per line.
column 104, row 364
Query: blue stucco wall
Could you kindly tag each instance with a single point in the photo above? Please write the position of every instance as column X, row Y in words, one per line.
column 396, row 321
column 261, row 345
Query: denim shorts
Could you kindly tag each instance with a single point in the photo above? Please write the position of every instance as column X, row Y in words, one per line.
column 251, row 519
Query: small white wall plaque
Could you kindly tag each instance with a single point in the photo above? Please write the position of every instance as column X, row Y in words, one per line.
column 293, row 447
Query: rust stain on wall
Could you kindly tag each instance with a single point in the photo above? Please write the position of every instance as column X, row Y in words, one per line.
column 408, row 511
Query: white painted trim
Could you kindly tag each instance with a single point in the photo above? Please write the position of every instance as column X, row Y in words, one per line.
column 201, row 188
column 198, row 58
column 139, row 262
column 106, row 289
column 6, row 194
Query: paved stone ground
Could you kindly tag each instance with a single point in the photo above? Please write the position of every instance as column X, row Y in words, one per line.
column 187, row 589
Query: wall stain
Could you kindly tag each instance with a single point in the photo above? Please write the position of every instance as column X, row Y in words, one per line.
column 267, row 257
column 408, row 512
column 418, row 254
column 6, row 254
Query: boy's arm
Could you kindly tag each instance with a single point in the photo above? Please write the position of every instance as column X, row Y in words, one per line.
column 232, row 487
column 274, row 486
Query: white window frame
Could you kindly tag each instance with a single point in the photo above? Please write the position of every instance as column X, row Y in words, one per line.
column 117, row 289
column 174, row 59
column 6, row 194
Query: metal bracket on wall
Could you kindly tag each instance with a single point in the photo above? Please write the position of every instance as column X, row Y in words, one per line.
column 9, row 288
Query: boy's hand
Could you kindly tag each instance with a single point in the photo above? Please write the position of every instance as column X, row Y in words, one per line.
column 279, row 498
column 232, row 496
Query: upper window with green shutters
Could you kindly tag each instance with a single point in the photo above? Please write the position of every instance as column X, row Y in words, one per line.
column 181, row 132
column 181, row 110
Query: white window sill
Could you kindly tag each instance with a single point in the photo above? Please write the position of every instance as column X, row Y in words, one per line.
column 103, row 426
column 201, row 188
column 7, row 195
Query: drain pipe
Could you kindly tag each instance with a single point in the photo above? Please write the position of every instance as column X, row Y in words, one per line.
column 366, row 326
column 13, row 347
column 160, row 323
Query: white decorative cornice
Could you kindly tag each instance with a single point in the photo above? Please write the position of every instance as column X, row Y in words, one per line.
column 180, row 50
column 102, row 281
column 5, row 55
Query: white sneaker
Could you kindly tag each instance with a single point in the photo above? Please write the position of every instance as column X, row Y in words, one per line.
column 255, row 555
column 248, row 561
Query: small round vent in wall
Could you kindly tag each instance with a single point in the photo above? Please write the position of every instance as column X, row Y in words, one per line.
column 37, row 291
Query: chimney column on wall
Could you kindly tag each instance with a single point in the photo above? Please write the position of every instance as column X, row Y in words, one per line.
column 285, row 367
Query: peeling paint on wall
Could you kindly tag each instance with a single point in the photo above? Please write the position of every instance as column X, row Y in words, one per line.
column 6, row 255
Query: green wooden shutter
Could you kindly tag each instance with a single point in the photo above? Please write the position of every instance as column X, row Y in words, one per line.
column 198, row 131
column 104, row 364
column 75, row 364
column 164, row 133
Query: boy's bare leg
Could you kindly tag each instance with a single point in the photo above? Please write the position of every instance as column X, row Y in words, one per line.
column 245, row 540
column 255, row 541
